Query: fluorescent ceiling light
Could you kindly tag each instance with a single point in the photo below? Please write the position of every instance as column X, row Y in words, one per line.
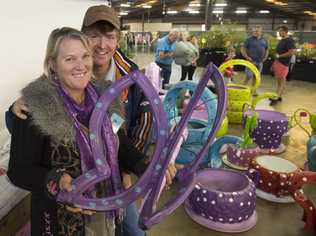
column 146, row 6
column 310, row 13
column 203, row 27
column 194, row 12
column 218, row 11
column 241, row 11
column 264, row 11
column 125, row 5
column 123, row 13
column 276, row 2
column 172, row 12
column 220, row 4
column 280, row 3
column 194, row 4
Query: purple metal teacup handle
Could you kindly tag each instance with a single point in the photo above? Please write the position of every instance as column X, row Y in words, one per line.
column 148, row 215
column 142, row 186
column 101, row 170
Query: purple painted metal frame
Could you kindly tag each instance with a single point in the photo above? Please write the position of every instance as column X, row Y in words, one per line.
column 149, row 184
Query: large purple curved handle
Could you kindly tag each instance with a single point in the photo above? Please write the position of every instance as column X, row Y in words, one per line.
column 150, row 183
column 83, row 182
column 186, row 176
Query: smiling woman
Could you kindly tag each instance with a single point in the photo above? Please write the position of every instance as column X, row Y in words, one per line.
column 71, row 62
column 54, row 143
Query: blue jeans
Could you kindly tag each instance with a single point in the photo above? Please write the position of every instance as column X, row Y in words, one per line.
column 130, row 222
column 165, row 73
column 259, row 66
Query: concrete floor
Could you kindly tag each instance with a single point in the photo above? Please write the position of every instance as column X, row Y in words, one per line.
column 273, row 219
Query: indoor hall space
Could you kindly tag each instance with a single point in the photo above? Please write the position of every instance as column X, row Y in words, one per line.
column 275, row 219
column 63, row 147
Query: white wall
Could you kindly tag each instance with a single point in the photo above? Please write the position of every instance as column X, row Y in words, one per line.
column 25, row 26
column 308, row 25
column 152, row 27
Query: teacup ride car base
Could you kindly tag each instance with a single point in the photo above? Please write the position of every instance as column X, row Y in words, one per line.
column 223, row 200
column 272, row 126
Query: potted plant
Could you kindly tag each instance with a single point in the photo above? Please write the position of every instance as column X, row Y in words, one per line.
column 244, row 152
column 305, row 66
column 214, row 43
column 211, row 48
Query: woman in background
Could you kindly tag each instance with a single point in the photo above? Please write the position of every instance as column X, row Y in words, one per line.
column 189, row 68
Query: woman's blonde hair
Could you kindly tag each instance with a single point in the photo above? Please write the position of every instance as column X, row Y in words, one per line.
column 231, row 49
column 192, row 39
column 53, row 44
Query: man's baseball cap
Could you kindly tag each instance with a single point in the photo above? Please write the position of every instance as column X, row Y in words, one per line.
column 101, row 13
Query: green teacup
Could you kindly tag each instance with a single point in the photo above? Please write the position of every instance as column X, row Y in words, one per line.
column 312, row 121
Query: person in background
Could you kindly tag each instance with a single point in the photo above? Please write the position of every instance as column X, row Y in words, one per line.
column 284, row 51
column 102, row 26
column 255, row 50
column 164, row 55
column 291, row 67
column 189, row 69
column 229, row 72
column 130, row 40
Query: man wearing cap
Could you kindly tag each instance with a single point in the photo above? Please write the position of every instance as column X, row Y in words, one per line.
column 102, row 26
column 164, row 55
column 255, row 49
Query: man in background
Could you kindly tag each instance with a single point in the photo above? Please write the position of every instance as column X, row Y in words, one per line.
column 255, row 50
column 164, row 55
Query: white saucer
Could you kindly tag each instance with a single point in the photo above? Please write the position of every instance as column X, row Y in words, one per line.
column 272, row 151
column 231, row 165
column 272, row 198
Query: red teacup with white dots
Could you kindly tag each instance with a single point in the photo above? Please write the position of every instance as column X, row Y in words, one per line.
column 281, row 177
column 275, row 174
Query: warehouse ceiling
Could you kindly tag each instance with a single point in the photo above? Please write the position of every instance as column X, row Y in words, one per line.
column 136, row 9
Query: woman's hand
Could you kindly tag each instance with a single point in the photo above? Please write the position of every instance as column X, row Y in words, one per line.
column 19, row 107
column 171, row 173
column 65, row 184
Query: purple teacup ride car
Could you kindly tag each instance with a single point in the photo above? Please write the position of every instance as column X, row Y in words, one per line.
column 223, row 200
column 271, row 127
column 238, row 158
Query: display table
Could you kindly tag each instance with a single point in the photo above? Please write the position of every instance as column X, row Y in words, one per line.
column 14, row 202
column 304, row 70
